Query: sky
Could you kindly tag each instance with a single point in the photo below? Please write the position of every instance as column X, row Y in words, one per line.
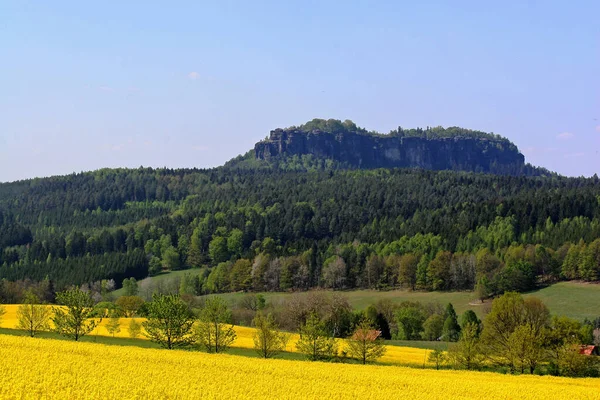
column 88, row 85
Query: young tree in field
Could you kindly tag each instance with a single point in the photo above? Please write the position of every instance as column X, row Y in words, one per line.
column 73, row 319
column 437, row 357
column 130, row 286
column 366, row 344
column 467, row 352
column 268, row 340
column 170, row 322
column 315, row 341
column 114, row 325
column 214, row 332
column 33, row 316
column 134, row 329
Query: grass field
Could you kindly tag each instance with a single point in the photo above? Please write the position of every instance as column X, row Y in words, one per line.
column 572, row 299
column 52, row 369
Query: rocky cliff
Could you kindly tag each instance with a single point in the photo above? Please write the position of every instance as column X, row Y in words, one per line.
column 363, row 150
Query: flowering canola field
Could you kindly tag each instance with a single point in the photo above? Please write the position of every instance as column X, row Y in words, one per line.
column 394, row 354
column 54, row 369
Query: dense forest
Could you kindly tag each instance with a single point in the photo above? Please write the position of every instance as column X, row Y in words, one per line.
column 267, row 229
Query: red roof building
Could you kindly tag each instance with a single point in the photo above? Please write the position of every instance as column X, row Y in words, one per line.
column 589, row 350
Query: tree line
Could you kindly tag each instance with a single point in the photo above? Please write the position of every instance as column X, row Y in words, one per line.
column 517, row 335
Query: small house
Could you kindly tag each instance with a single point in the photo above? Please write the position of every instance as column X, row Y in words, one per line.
column 589, row 350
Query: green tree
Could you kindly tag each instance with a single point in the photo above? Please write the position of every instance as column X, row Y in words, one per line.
column 130, row 287
column 154, row 266
column 433, row 327
column 469, row 317
column 410, row 319
column 451, row 330
column 483, row 288
column 195, row 256
column 235, row 243
column 129, row 305
column 407, row 274
column 510, row 311
column 467, row 352
column 214, row 332
column 268, row 340
column 241, row 275
column 113, row 326
column 217, row 249
column 33, row 316
column 314, row 341
column 74, row 319
column 134, row 328
column 438, row 272
column 170, row 259
column 170, row 321
column 437, row 357
column 526, row 348
column 365, row 344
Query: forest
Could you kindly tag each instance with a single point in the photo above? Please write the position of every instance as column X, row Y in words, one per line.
column 267, row 229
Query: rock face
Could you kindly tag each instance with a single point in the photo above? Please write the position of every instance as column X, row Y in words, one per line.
column 367, row 151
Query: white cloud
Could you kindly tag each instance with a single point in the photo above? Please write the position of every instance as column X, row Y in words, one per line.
column 565, row 136
column 193, row 75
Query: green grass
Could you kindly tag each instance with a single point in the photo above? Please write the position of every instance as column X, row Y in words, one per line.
column 572, row 299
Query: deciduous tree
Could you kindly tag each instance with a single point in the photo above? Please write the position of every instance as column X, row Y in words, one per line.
column 32, row 315
column 314, row 341
column 366, row 344
column 268, row 340
column 73, row 319
column 170, row 322
column 113, row 326
column 214, row 332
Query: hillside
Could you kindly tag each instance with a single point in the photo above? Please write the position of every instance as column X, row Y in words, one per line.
column 274, row 229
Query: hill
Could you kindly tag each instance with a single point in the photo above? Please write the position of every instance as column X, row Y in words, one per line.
column 274, row 229
column 327, row 144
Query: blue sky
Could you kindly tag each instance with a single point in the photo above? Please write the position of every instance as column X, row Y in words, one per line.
column 86, row 85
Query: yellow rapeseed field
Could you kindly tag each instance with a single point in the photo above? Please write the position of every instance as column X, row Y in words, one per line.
column 56, row 369
column 394, row 354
